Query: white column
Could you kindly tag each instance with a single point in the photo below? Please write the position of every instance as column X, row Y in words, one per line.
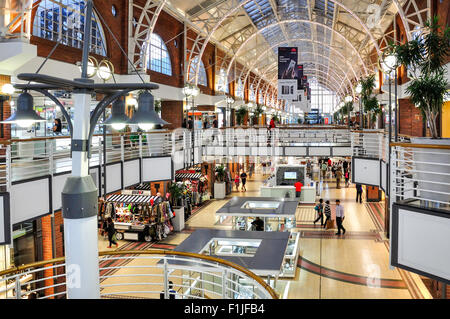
column 80, row 234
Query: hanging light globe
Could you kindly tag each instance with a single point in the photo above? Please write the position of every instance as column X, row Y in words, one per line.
column 118, row 120
column 145, row 116
column 25, row 116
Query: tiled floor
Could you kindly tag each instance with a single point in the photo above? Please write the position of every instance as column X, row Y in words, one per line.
column 355, row 265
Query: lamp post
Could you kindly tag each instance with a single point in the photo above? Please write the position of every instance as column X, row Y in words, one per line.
column 388, row 63
column 229, row 100
column 79, row 195
column 358, row 90
column 191, row 91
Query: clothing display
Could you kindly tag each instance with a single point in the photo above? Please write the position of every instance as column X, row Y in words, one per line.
column 148, row 215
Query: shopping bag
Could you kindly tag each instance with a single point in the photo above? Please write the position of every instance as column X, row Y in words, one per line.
column 114, row 237
column 330, row 224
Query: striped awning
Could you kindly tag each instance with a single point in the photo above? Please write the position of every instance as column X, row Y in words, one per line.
column 193, row 176
column 143, row 187
column 130, row 199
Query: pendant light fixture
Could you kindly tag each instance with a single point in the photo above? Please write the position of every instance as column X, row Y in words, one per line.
column 118, row 120
column 24, row 116
column 145, row 116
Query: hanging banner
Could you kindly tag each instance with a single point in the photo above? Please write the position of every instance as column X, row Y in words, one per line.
column 287, row 73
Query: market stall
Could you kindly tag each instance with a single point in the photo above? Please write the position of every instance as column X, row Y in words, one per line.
column 138, row 215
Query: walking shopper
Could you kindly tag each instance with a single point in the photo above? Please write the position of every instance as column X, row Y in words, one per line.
column 319, row 209
column 339, row 217
column 244, row 180
column 338, row 177
column 298, row 189
column 324, row 169
column 237, row 182
column 327, row 212
column 111, row 233
column 347, row 177
column 359, row 191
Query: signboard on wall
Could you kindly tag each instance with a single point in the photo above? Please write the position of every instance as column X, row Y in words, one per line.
column 287, row 73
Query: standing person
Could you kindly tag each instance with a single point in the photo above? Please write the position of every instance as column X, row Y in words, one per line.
column 258, row 224
column 271, row 128
column 338, row 177
column 190, row 123
column 308, row 167
column 339, row 217
column 215, row 126
column 205, row 124
column 319, row 209
column 298, row 188
column 324, row 169
column 327, row 212
column 359, row 192
column 244, row 180
column 237, row 182
column 172, row 292
column 345, row 165
column 111, row 233
column 347, row 177
column 57, row 126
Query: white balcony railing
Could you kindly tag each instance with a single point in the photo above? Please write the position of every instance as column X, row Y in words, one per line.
column 142, row 274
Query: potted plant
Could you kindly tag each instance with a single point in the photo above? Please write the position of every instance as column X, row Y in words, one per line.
column 240, row 114
column 176, row 194
column 219, row 183
column 424, row 58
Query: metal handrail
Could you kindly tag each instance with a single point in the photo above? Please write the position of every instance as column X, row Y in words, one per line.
column 272, row 293
column 431, row 146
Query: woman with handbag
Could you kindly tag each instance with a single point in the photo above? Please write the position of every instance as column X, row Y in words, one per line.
column 327, row 212
column 111, row 233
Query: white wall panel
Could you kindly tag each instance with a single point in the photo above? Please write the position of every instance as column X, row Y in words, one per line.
column 383, row 175
column 29, row 200
column 366, row 171
column 295, row 151
column 319, row 151
column 131, row 173
column 57, row 187
column 424, row 242
column 157, row 169
column 342, row 151
column 113, row 178
column 178, row 160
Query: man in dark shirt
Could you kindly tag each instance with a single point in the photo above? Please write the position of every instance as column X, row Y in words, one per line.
column 359, row 192
column 215, row 126
column 190, row 123
column 259, row 224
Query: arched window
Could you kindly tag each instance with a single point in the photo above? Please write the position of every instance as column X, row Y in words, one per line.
column 158, row 56
column 202, row 77
column 252, row 94
column 222, row 82
column 260, row 97
column 239, row 92
column 64, row 20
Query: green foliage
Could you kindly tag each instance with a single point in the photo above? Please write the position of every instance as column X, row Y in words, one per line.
column 176, row 192
column 157, row 106
column 220, row 173
column 425, row 57
column 240, row 113
column 258, row 111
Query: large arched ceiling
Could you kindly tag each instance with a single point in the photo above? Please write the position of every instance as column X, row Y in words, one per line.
column 334, row 34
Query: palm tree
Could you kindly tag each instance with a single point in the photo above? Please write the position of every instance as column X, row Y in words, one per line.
column 424, row 57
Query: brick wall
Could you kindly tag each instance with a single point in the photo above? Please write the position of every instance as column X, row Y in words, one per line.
column 172, row 112
column 4, row 79
column 47, row 253
column 118, row 26
column 410, row 119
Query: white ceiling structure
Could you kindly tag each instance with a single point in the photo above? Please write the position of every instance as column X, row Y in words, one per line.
column 338, row 41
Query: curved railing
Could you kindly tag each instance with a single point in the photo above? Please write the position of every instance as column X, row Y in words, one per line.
column 142, row 274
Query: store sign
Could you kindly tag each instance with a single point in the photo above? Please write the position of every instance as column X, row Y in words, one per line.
column 287, row 73
column 5, row 221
